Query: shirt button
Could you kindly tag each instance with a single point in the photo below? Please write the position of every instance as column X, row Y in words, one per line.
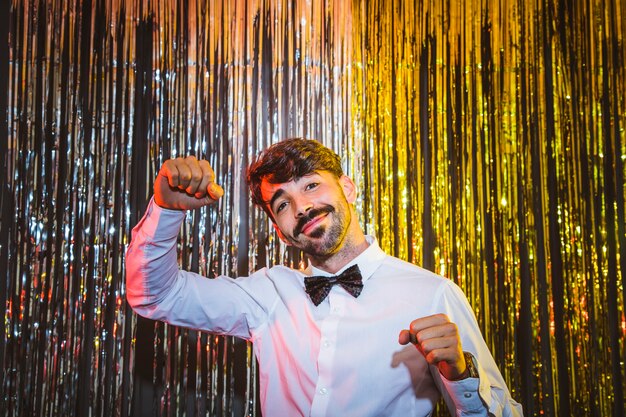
column 468, row 395
column 326, row 343
column 323, row 391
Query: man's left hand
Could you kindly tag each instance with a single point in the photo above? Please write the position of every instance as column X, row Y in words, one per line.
column 439, row 341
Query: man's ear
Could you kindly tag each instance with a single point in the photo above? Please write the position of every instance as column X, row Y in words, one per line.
column 280, row 234
column 348, row 187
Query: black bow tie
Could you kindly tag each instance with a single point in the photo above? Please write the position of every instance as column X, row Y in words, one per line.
column 318, row 287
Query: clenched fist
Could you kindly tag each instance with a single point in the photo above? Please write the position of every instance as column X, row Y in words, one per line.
column 439, row 341
column 186, row 184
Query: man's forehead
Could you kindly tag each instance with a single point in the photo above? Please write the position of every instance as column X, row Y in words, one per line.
column 269, row 187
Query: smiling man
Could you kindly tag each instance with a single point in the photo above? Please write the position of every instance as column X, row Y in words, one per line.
column 358, row 333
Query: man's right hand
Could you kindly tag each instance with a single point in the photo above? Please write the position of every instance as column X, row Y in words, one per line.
column 186, row 184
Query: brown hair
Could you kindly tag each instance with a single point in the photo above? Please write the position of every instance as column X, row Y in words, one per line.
column 289, row 160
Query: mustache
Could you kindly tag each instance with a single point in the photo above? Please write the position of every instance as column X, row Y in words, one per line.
column 311, row 214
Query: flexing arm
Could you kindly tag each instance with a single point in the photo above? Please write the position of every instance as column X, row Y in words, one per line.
column 157, row 288
column 442, row 340
column 152, row 271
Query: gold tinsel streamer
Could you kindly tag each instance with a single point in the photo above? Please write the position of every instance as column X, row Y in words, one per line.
column 487, row 137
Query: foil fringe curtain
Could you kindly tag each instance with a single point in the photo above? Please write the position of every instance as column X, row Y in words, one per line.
column 487, row 137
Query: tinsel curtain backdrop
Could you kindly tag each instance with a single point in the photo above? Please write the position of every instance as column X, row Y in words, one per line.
column 487, row 139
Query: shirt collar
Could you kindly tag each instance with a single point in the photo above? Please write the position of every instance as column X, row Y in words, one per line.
column 369, row 260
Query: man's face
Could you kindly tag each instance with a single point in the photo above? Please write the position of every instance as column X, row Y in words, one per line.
column 312, row 213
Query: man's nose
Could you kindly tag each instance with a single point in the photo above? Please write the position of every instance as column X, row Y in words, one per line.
column 303, row 205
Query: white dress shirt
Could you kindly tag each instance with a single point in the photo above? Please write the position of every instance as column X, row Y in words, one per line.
column 341, row 358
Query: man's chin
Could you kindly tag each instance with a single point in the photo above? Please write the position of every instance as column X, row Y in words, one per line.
column 311, row 245
column 319, row 248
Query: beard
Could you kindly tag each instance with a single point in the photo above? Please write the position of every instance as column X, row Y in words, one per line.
column 323, row 240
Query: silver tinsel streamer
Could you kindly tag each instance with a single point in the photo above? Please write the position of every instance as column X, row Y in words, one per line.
column 487, row 136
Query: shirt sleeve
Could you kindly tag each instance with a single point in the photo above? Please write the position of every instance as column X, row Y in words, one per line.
column 487, row 394
column 157, row 289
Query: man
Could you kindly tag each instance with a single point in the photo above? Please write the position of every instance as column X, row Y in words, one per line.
column 338, row 349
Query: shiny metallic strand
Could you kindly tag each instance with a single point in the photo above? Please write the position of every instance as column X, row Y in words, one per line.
column 487, row 137
column 498, row 160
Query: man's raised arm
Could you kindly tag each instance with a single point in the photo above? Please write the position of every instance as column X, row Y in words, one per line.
column 151, row 261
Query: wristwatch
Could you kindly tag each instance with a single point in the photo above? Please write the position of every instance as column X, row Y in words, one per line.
column 470, row 363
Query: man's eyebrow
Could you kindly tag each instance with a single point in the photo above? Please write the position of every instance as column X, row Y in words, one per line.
column 275, row 197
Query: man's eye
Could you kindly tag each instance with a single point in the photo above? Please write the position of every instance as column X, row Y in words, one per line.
column 312, row 185
column 280, row 207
